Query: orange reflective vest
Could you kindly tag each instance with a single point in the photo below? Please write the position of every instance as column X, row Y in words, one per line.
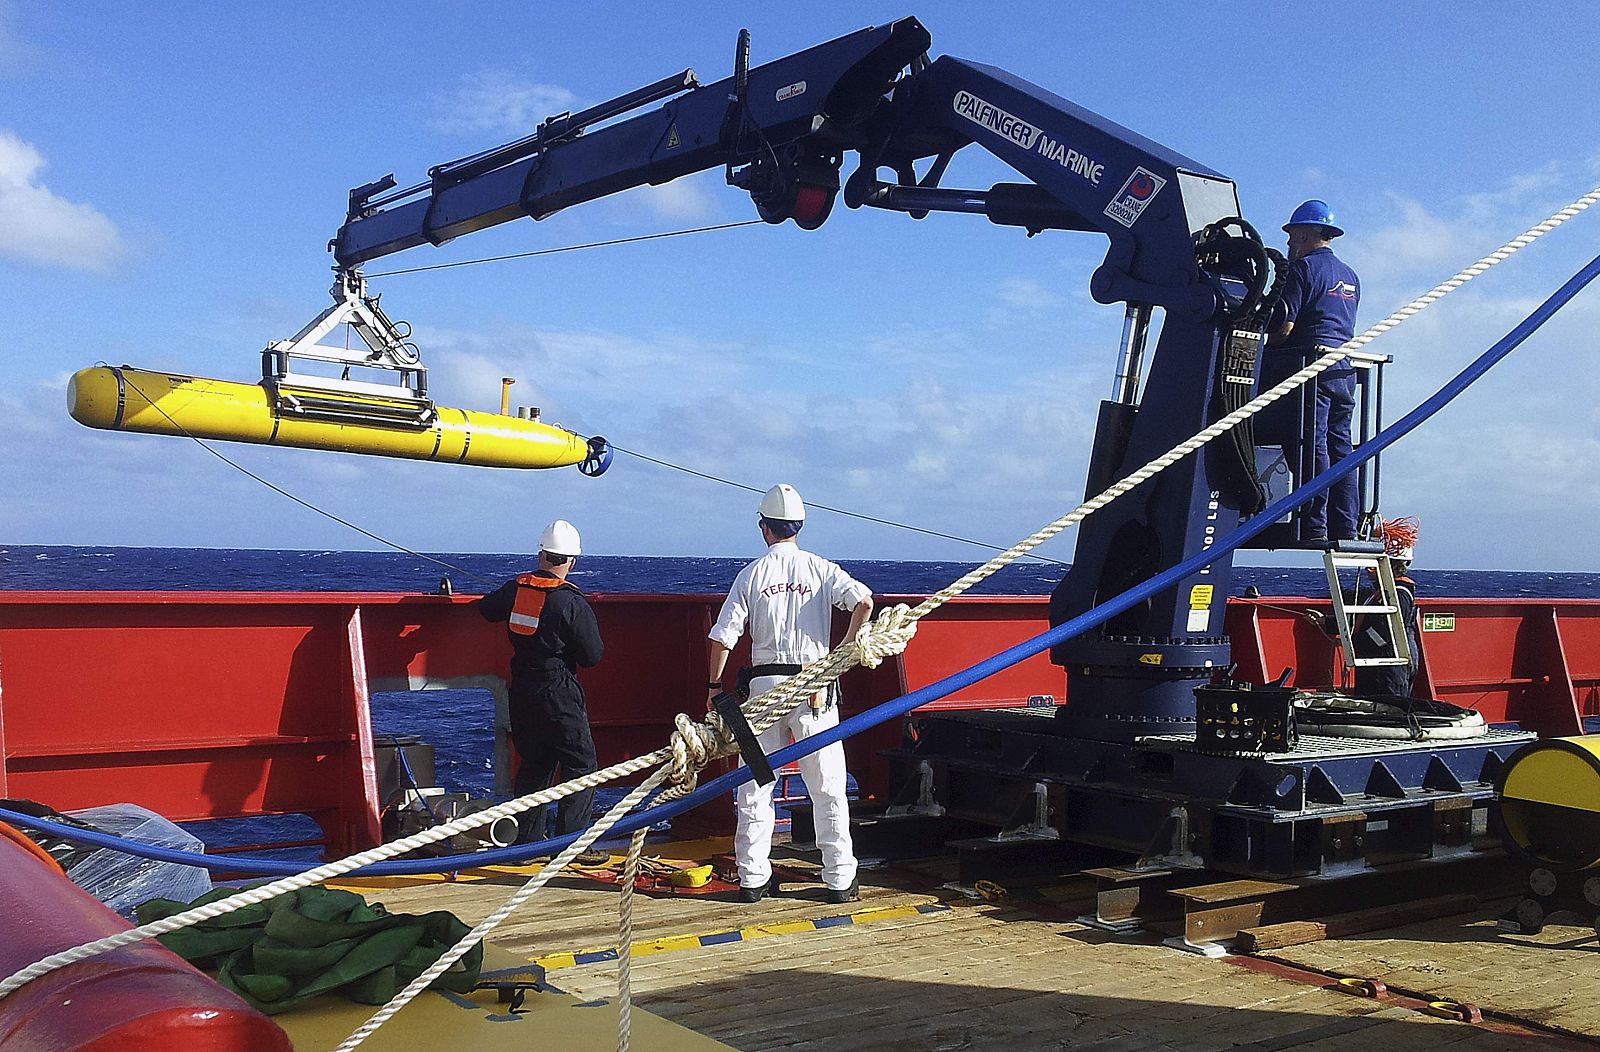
column 532, row 591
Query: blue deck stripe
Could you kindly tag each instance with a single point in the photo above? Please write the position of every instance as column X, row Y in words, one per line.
column 721, row 937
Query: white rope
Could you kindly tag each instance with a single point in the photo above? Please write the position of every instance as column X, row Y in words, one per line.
column 473, row 937
column 679, row 787
column 284, row 885
column 886, row 636
column 695, row 744
column 630, row 874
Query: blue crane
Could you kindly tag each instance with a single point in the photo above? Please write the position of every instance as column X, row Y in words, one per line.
column 783, row 130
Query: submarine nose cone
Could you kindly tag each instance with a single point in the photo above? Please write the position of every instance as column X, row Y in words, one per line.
column 92, row 397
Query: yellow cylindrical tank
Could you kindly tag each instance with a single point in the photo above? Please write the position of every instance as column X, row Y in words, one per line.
column 127, row 399
column 1550, row 802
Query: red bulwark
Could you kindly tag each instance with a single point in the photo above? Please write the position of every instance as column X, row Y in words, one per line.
column 201, row 705
column 134, row 998
column 195, row 705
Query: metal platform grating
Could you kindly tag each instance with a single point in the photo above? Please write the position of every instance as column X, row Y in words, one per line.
column 1314, row 747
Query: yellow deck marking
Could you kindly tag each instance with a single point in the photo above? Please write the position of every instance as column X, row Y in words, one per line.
column 673, row 943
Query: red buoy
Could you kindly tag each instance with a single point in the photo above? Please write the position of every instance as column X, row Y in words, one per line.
column 134, row 998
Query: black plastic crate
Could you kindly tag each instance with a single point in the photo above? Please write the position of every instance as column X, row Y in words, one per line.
column 1241, row 718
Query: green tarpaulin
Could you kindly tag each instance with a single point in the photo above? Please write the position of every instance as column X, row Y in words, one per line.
column 279, row 954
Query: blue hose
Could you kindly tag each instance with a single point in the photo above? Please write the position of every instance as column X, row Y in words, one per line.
column 900, row 706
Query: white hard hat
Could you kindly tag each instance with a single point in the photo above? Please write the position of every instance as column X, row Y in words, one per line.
column 782, row 502
column 1406, row 553
column 560, row 538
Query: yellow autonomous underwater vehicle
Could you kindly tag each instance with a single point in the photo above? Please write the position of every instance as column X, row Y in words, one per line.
column 289, row 408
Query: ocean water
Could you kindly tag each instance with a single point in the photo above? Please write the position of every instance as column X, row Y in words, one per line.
column 58, row 568
column 460, row 723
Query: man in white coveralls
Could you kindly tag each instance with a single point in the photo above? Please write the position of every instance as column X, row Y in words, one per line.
column 786, row 599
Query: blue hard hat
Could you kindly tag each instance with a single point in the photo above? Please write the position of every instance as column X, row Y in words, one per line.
column 1313, row 213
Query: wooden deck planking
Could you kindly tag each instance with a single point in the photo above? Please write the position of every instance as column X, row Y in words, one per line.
column 1044, row 991
column 1548, row 980
column 978, row 976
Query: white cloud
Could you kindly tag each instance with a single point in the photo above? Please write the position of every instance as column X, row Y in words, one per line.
column 37, row 226
column 500, row 101
column 1510, row 202
column 1515, row 459
column 681, row 199
column 1417, row 240
column 880, row 444
column 1027, row 295
column 1434, row 240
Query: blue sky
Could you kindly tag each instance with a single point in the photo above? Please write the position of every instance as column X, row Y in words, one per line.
column 170, row 175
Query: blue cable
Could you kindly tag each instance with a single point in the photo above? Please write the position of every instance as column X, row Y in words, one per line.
column 917, row 698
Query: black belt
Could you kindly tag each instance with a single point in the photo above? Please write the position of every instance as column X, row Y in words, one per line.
column 748, row 674
column 757, row 671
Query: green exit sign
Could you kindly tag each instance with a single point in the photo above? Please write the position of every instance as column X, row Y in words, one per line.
column 1438, row 622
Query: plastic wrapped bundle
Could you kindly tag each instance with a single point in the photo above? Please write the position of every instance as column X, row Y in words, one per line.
column 123, row 881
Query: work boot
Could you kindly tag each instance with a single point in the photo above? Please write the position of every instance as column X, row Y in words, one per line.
column 838, row 896
column 754, row 893
column 592, row 858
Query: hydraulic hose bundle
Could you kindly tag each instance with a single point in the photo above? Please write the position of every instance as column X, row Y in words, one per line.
column 1262, row 270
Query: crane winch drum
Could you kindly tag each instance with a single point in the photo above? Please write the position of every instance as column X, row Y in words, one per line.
column 1549, row 798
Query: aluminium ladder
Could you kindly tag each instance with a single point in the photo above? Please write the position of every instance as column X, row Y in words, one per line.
column 1385, row 603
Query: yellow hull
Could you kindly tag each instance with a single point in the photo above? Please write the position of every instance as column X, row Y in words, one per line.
column 124, row 399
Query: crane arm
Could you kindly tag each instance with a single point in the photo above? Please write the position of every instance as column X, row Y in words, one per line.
column 820, row 94
column 783, row 129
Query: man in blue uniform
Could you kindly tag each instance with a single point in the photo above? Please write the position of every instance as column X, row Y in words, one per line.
column 1318, row 313
column 553, row 631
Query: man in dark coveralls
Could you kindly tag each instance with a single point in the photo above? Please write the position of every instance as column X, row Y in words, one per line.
column 1370, row 633
column 553, row 631
column 1317, row 314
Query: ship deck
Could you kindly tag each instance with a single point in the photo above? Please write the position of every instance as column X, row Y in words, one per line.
column 917, row 965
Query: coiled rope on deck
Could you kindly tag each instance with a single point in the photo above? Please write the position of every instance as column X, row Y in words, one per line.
column 893, row 628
